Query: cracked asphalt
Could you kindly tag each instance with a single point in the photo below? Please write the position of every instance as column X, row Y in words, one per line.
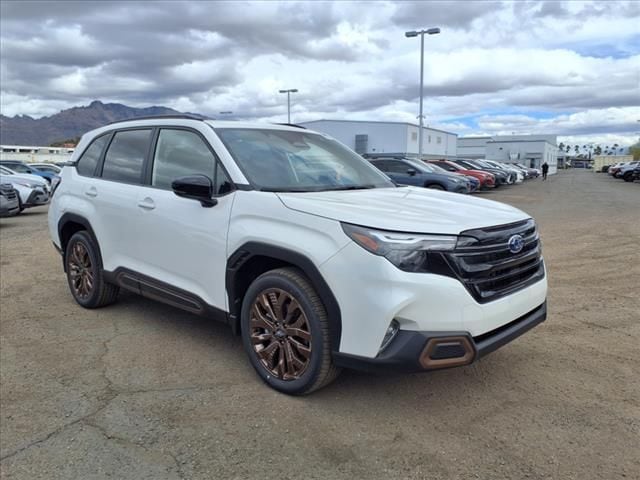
column 139, row 390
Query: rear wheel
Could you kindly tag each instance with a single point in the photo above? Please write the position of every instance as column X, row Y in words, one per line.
column 84, row 273
column 285, row 332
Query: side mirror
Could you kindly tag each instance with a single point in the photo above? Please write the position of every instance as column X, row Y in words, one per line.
column 195, row 187
column 411, row 172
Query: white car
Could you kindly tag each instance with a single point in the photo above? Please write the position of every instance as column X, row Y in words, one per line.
column 32, row 189
column 306, row 250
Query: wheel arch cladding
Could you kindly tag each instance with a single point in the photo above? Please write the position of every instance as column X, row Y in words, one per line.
column 68, row 225
column 253, row 259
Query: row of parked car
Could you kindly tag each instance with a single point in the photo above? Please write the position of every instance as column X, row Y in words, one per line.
column 628, row 171
column 25, row 185
column 457, row 175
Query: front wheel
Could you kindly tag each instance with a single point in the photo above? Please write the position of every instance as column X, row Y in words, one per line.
column 435, row 186
column 285, row 332
column 628, row 177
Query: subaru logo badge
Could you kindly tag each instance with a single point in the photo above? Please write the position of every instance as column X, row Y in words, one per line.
column 516, row 244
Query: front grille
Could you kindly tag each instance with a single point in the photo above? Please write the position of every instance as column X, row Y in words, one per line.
column 488, row 269
column 8, row 191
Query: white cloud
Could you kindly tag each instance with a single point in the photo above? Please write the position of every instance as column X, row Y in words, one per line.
column 505, row 63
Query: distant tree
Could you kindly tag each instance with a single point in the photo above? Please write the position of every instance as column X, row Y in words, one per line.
column 635, row 150
column 577, row 149
column 614, row 148
column 561, row 147
column 568, row 148
column 621, row 150
column 597, row 150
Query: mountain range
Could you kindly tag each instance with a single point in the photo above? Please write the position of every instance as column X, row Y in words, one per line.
column 69, row 124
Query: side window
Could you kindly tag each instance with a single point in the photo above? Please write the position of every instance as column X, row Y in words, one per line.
column 180, row 153
column 89, row 159
column 223, row 183
column 125, row 156
column 395, row 166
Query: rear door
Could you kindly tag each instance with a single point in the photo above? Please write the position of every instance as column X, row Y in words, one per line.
column 114, row 192
column 180, row 242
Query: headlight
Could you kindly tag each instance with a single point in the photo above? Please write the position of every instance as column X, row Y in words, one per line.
column 407, row 251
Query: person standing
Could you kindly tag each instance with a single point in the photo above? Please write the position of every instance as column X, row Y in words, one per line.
column 545, row 170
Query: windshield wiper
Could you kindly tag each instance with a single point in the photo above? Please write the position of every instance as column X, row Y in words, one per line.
column 352, row 187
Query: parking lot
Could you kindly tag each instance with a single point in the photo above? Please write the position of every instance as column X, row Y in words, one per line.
column 140, row 390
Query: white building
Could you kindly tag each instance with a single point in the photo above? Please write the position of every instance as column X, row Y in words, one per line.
column 33, row 154
column 530, row 150
column 392, row 138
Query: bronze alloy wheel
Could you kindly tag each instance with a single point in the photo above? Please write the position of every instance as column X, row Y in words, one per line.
column 280, row 334
column 81, row 271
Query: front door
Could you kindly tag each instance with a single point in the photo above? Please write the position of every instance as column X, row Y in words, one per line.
column 183, row 243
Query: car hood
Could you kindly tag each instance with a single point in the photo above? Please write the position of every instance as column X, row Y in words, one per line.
column 35, row 179
column 406, row 209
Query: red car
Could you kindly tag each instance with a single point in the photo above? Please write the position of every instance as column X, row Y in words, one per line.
column 486, row 179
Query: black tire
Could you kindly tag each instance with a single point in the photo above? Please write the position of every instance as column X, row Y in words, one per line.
column 319, row 369
column 628, row 177
column 435, row 186
column 100, row 293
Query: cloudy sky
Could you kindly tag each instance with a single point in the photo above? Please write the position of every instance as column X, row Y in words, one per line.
column 571, row 68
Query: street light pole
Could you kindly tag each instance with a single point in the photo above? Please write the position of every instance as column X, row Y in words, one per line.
column 429, row 31
column 289, row 92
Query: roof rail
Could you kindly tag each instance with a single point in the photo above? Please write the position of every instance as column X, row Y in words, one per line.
column 291, row 125
column 187, row 116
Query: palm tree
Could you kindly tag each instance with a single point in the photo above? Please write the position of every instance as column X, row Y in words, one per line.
column 577, row 149
column 615, row 147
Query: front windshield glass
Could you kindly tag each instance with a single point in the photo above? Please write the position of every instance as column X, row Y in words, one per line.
column 298, row 161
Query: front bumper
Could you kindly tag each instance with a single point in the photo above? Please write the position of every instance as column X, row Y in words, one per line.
column 414, row 351
column 37, row 197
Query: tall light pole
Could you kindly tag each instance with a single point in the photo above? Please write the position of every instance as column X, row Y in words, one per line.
column 289, row 92
column 414, row 33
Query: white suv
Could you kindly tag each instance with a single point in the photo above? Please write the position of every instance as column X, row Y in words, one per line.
column 307, row 251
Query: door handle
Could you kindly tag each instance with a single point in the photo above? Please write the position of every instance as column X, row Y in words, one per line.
column 91, row 192
column 147, row 204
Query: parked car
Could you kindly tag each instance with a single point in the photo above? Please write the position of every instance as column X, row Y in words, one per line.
column 406, row 171
column 20, row 167
column 474, row 183
column 9, row 203
column 32, row 189
column 312, row 255
column 613, row 169
column 636, row 173
column 47, row 167
column 514, row 173
column 626, row 171
column 533, row 172
column 487, row 180
column 502, row 177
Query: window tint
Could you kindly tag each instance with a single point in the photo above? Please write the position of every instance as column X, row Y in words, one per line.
column 125, row 156
column 394, row 166
column 16, row 167
column 223, row 183
column 180, row 153
column 87, row 163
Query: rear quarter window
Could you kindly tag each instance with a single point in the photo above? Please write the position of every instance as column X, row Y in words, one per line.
column 88, row 161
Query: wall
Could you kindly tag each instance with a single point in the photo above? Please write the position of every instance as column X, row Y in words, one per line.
column 472, row 147
column 388, row 137
column 383, row 137
column 600, row 161
column 532, row 153
column 446, row 147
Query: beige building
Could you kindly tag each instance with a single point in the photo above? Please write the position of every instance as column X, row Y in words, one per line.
column 600, row 161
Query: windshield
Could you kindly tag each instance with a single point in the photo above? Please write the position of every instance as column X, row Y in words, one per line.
column 298, row 161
